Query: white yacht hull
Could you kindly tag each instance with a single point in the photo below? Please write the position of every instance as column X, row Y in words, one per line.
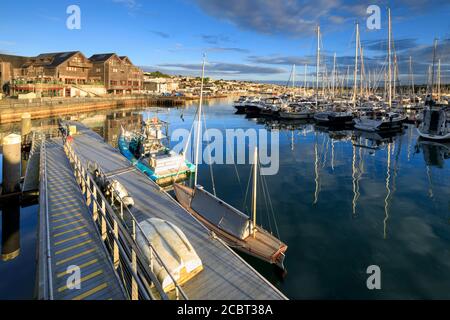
column 434, row 136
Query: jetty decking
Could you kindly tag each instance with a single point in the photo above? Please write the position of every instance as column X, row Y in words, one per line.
column 225, row 275
column 68, row 236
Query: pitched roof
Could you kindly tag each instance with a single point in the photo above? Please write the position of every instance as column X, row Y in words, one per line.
column 16, row 61
column 53, row 59
column 101, row 57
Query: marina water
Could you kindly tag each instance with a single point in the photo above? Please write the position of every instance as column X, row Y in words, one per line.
column 342, row 202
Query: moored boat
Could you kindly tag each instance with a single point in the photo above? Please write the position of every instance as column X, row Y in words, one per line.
column 147, row 151
column 297, row 111
column 391, row 121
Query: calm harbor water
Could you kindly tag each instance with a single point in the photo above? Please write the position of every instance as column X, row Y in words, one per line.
column 342, row 201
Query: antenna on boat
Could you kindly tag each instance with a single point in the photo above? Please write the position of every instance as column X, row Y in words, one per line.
column 255, row 180
column 199, row 127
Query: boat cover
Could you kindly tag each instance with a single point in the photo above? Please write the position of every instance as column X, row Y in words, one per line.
column 220, row 213
column 173, row 248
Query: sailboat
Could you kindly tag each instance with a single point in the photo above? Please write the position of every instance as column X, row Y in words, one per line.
column 231, row 225
column 435, row 121
column 390, row 121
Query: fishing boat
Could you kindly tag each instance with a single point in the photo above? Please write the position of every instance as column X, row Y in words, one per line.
column 234, row 227
column 148, row 151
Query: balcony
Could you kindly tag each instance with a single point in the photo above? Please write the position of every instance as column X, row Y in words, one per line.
column 80, row 64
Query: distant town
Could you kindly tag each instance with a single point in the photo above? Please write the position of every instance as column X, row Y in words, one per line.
column 72, row 74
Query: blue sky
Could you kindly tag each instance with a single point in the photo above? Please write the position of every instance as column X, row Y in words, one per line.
column 243, row 39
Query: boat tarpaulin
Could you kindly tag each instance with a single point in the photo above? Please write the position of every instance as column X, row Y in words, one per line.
column 220, row 213
column 173, row 248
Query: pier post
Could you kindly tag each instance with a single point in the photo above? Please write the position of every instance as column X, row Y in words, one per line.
column 11, row 162
column 26, row 124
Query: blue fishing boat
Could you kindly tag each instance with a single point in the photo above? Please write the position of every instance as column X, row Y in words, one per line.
column 148, row 150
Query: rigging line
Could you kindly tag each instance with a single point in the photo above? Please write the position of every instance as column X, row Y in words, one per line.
column 209, row 158
column 271, row 208
column 264, row 192
column 244, row 205
column 234, row 163
column 185, row 148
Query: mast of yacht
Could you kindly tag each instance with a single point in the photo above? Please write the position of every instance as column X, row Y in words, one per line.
column 199, row 127
column 432, row 69
column 293, row 77
column 255, row 181
column 347, row 78
column 411, row 76
column 334, row 74
column 355, row 82
column 362, row 76
column 317, row 63
column 439, row 81
column 305, row 84
column 389, row 60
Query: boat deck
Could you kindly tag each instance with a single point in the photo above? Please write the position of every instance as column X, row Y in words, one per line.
column 225, row 275
column 72, row 237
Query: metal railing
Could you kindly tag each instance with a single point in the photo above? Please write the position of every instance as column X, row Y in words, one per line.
column 119, row 230
column 45, row 265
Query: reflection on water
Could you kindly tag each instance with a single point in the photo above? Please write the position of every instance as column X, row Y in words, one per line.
column 18, row 251
column 343, row 200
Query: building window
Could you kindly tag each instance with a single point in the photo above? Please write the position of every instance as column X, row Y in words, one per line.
column 98, row 70
column 114, row 70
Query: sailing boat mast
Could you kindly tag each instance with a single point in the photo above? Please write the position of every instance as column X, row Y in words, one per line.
column 317, row 63
column 334, row 74
column 355, row 83
column 255, row 181
column 411, row 75
column 439, row 81
column 389, row 60
column 199, row 127
column 432, row 70
column 293, row 76
column 361, row 82
column 305, row 84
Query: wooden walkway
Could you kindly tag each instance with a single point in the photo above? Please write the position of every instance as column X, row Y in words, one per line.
column 73, row 239
column 225, row 275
